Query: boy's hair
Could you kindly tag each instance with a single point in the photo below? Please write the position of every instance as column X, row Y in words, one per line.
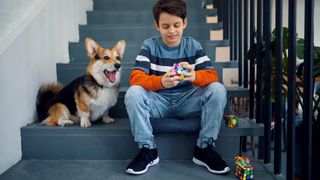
column 173, row 7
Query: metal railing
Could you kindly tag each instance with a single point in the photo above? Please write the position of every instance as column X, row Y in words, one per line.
column 234, row 14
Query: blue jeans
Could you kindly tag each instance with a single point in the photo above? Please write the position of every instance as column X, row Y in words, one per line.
column 142, row 105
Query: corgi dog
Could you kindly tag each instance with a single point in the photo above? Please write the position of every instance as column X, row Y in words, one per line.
column 87, row 98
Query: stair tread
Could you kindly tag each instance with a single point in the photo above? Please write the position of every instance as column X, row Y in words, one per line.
column 141, row 4
column 115, row 169
column 143, row 11
column 121, row 126
column 79, row 64
column 100, row 32
column 132, row 43
column 218, row 25
column 77, row 52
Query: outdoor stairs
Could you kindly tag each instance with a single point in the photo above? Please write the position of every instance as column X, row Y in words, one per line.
column 104, row 150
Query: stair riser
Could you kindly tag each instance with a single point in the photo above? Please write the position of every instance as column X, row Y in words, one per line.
column 137, row 5
column 142, row 17
column 138, row 33
column 68, row 73
column 120, row 111
column 118, row 147
column 78, row 53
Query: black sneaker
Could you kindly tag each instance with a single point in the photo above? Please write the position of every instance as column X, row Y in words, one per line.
column 210, row 159
column 145, row 159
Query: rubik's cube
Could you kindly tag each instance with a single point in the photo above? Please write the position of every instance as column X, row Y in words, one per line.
column 178, row 70
column 244, row 168
column 231, row 121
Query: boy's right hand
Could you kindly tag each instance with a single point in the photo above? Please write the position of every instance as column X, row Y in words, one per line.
column 169, row 80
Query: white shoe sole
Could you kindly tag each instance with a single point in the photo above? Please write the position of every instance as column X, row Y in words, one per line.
column 200, row 163
column 154, row 162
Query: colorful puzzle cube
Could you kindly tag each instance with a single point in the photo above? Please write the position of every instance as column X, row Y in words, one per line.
column 244, row 168
column 231, row 121
column 178, row 70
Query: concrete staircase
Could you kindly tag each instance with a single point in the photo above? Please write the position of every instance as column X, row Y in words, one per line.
column 132, row 21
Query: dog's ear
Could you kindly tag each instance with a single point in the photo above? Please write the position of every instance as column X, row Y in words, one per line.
column 91, row 46
column 120, row 47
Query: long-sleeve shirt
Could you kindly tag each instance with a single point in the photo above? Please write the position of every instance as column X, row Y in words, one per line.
column 155, row 59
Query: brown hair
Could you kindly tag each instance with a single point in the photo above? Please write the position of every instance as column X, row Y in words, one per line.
column 174, row 7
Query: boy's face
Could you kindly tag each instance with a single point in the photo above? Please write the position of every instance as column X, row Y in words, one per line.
column 171, row 28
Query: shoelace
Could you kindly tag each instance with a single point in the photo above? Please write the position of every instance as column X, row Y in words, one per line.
column 210, row 151
column 143, row 152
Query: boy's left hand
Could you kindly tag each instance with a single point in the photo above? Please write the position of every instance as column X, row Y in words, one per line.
column 188, row 76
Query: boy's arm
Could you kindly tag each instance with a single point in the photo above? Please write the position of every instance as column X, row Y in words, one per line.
column 149, row 82
column 205, row 77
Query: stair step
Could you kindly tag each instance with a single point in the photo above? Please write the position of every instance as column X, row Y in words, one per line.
column 115, row 170
column 78, row 53
column 115, row 141
column 136, row 32
column 119, row 110
column 138, row 5
column 68, row 72
column 140, row 17
column 227, row 64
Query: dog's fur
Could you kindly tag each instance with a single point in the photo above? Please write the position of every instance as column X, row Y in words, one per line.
column 88, row 97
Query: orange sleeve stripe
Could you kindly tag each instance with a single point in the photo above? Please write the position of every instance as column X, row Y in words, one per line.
column 205, row 77
column 149, row 82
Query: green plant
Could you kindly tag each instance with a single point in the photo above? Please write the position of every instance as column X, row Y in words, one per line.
column 300, row 54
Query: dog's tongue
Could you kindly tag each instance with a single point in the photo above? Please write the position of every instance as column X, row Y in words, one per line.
column 111, row 76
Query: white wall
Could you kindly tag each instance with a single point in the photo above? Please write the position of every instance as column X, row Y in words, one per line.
column 34, row 36
column 300, row 18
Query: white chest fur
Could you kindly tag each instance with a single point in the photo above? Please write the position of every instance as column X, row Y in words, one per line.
column 106, row 98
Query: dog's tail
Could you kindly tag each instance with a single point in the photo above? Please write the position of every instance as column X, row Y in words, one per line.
column 45, row 93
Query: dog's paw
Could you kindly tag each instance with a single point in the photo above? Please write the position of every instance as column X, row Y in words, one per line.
column 107, row 119
column 85, row 123
column 65, row 122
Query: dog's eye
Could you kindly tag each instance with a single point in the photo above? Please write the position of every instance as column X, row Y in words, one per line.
column 118, row 58
column 97, row 56
column 106, row 57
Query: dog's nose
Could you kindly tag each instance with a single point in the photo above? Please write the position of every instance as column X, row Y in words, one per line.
column 117, row 65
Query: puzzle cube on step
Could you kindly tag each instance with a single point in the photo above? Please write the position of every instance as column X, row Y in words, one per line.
column 244, row 168
column 231, row 121
column 178, row 70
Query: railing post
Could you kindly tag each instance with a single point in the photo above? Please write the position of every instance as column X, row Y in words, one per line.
column 240, row 51
column 245, row 42
column 308, row 90
column 291, row 89
column 235, row 29
column 267, row 100
column 278, row 88
column 259, row 93
column 231, row 13
column 252, row 64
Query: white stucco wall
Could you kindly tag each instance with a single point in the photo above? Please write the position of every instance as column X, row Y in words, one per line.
column 34, row 36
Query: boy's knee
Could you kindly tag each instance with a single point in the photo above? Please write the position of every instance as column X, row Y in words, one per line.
column 134, row 93
column 218, row 90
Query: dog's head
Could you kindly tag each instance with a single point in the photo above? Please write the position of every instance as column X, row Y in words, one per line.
column 104, row 63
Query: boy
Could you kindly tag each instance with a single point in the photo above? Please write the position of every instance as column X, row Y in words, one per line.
column 156, row 92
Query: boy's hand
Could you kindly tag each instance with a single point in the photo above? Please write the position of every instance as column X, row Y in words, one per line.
column 169, row 79
column 188, row 76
